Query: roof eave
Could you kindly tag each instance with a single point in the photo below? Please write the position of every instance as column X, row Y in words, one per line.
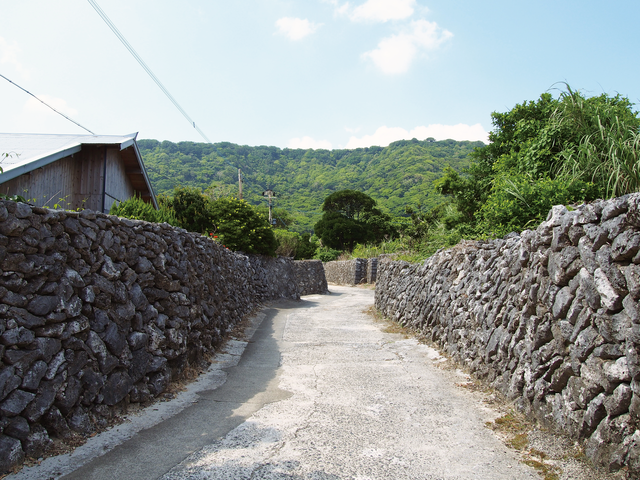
column 41, row 162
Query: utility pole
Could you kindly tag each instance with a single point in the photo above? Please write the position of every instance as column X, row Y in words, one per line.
column 240, row 184
column 269, row 194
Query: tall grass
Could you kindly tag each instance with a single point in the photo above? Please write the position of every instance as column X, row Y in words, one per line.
column 607, row 153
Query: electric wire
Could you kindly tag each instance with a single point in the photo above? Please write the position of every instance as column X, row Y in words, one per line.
column 135, row 55
column 47, row 105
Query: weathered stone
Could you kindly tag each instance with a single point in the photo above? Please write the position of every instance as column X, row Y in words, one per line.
column 158, row 383
column 32, row 379
column 54, row 365
column 48, row 347
column 614, row 226
column 610, row 297
column 107, row 361
column 17, row 336
column 618, row 403
column 562, row 303
column 140, row 393
column 11, row 453
column 143, row 265
column 609, row 351
column 139, row 367
column 16, row 402
column 77, row 363
column 100, row 320
column 123, row 314
column 560, row 377
column 632, row 275
column 43, row 305
column 625, row 246
column 594, row 414
column 584, row 344
column 138, row 340
column 138, row 298
column 114, row 339
column 79, row 421
column 54, row 330
column 617, row 371
column 37, row 442
column 109, row 270
column 55, row 422
column 68, row 395
column 92, row 383
column 8, row 381
column 18, row 428
column 117, row 387
column 44, row 399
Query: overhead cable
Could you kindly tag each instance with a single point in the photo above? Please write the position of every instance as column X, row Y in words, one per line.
column 47, row 105
column 144, row 65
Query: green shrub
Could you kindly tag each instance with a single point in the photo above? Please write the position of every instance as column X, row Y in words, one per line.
column 307, row 247
column 288, row 242
column 137, row 209
column 327, row 254
column 240, row 227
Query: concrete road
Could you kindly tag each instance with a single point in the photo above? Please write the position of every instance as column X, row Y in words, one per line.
column 320, row 392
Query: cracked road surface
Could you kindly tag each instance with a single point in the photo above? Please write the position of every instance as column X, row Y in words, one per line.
column 320, row 392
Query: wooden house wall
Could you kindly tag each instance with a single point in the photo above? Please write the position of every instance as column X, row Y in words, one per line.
column 76, row 182
column 118, row 185
column 48, row 186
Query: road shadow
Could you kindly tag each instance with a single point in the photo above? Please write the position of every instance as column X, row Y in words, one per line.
column 250, row 384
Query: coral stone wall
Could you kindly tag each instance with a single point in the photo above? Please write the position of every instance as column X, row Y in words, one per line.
column 347, row 272
column 550, row 317
column 310, row 277
column 96, row 310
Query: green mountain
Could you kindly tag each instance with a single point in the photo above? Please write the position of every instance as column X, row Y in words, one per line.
column 395, row 176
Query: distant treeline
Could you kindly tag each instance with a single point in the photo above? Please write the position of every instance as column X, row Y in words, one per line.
column 396, row 176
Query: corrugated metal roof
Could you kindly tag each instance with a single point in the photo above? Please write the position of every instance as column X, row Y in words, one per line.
column 30, row 151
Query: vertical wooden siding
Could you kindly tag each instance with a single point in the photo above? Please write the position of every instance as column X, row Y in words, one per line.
column 75, row 182
column 118, row 185
column 47, row 186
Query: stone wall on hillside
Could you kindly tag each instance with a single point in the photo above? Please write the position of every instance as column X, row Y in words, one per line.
column 346, row 272
column 550, row 317
column 98, row 311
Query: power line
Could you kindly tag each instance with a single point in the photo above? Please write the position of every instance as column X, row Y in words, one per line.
column 144, row 65
column 46, row 104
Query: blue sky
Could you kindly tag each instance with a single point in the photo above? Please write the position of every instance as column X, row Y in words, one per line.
column 310, row 74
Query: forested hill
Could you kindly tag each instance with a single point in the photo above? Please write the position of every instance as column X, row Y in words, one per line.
column 396, row 176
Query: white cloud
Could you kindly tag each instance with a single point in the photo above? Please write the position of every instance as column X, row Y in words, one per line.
column 9, row 54
column 296, row 28
column 396, row 53
column 33, row 106
column 383, row 136
column 308, row 142
column 381, row 10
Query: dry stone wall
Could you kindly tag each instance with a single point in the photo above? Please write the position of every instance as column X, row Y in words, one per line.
column 97, row 311
column 310, row 277
column 550, row 317
column 347, row 272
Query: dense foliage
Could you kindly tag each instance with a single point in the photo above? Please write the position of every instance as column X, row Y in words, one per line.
column 395, row 176
column 239, row 226
column 564, row 150
column 351, row 217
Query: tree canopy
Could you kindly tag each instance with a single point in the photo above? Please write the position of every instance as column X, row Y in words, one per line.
column 395, row 176
column 351, row 217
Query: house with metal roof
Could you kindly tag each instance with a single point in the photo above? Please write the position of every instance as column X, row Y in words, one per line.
column 73, row 171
